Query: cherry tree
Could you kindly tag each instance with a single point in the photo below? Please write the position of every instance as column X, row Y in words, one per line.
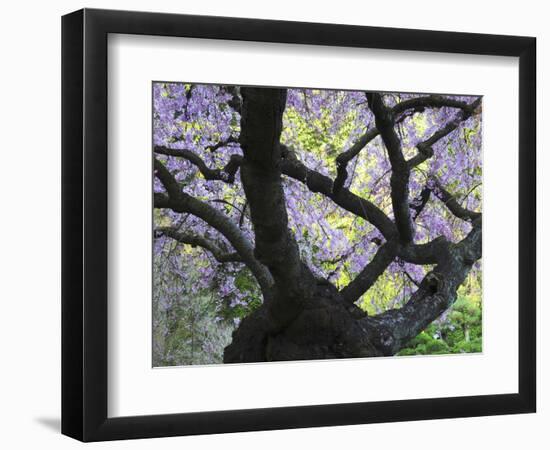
column 293, row 203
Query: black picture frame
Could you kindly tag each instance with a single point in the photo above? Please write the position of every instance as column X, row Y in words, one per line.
column 84, row 224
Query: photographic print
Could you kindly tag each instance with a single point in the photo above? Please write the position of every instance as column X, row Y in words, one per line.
column 296, row 224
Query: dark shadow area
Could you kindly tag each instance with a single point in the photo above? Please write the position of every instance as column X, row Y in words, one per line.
column 53, row 423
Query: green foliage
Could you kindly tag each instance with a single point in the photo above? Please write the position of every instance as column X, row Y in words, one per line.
column 457, row 331
column 313, row 133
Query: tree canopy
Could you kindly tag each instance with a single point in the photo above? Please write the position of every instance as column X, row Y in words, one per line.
column 312, row 223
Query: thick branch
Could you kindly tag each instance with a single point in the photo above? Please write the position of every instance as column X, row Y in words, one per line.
column 432, row 101
column 226, row 174
column 345, row 157
column 429, row 253
column 391, row 330
column 322, row 184
column 161, row 200
column 199, row 241
column 399, row 180
column 261, row 125
column 168, row 181
column 368, row 276
column 453, row 205
column 181, row 202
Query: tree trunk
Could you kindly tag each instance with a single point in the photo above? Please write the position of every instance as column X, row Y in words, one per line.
column 326, row 328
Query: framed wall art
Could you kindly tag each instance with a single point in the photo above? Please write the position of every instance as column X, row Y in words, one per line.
column 273, row 224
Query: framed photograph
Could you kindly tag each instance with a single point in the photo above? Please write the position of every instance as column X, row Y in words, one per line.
column 273, row 225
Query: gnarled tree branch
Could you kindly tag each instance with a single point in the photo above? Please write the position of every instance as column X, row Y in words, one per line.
column 195, row 240
column 452, row 203
column 391, row 330
column 181, row 202
column 226, row 174
column 429, row 253
column 345, row 157
column 399, row 180
column 368, row 276
column 322, row 184
column 432, row 101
